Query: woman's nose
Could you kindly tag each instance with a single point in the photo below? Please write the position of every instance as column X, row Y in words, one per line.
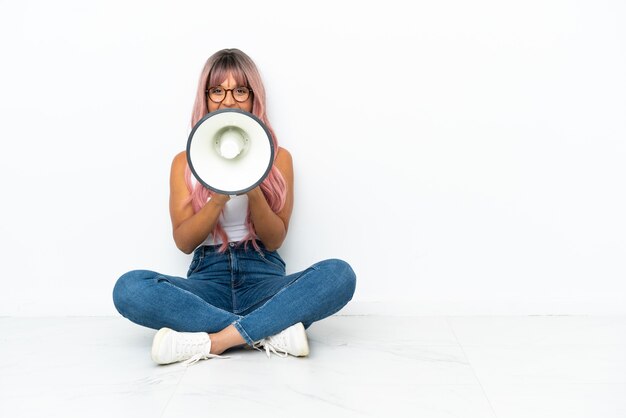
column 229, row 100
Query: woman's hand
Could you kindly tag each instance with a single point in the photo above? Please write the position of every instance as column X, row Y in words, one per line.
column 255, row 193
column 220, row 198
column 271, row 228
column 190, row 229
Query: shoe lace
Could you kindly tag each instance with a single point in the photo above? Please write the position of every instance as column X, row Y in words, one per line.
column 189, row 346
column 274, row 344
column 200, row 356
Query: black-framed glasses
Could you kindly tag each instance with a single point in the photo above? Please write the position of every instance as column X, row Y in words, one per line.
column 218, row 94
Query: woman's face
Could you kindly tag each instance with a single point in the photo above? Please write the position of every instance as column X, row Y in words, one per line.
column 229, row 101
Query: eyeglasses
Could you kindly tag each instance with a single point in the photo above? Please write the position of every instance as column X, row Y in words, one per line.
column 218, row 94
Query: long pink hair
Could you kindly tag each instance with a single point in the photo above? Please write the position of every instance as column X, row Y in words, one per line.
column 245, row 73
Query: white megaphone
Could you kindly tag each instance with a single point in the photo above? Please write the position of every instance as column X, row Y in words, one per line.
column 230, row 151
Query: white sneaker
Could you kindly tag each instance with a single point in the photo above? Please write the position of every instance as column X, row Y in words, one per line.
column 170, row 346
column 292, row 341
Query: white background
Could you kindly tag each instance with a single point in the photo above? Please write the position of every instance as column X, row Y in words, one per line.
column 464, row 157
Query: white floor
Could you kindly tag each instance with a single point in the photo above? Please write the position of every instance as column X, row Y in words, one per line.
column 360, row 366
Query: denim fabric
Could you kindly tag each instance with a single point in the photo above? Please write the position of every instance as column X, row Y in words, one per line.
column 243, row 287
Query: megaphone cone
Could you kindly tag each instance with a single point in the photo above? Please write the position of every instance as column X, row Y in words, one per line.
column 230, row 151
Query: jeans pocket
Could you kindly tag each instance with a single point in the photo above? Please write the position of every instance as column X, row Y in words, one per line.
column 195, row 264
column 272, row 258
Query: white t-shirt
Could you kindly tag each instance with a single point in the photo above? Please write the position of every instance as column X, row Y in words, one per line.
column 232, row 219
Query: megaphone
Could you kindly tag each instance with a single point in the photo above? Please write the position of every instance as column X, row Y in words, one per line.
column 230, row 151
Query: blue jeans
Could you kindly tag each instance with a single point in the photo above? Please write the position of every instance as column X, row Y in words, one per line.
column 246, row 288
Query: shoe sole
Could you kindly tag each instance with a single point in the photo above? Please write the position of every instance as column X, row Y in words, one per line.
column 156, row 344
column 301, row 335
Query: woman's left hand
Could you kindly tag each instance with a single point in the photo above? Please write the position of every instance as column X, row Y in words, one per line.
column 255, row 193
column 271, row 228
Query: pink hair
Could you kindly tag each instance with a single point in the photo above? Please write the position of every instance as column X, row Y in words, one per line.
column 245, row 73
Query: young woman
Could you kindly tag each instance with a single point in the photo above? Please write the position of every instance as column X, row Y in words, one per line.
column 236, row 292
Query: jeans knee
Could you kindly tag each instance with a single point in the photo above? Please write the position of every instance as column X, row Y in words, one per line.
column 125, row 287
column 342, row 274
